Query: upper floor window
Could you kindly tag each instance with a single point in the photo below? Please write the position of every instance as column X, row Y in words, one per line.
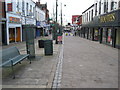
column 9, row 7
column 95, row 9
column 92, row 15
column 33, row 11
column 100, row 7
column 30, row 8
column 112, row 5
column 18, row 5
column 119, row 4
column 27, row 8
column 89, row 15
column 105, row 6
column 23, row 8
column 36, row 15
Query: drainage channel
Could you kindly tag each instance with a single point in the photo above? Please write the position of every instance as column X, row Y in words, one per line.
column 58, row 74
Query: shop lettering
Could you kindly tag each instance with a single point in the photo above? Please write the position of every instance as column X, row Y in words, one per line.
column 14, row 20
column 107, row 18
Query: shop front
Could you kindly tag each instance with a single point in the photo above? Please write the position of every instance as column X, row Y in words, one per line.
column 14, row 29
column 109, row 24
column 104, row 28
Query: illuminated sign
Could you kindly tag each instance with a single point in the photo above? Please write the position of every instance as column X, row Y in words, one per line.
column 14, row 20
column 107, row 18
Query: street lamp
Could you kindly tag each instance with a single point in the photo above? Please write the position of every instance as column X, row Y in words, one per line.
column 56, row 9
column 61, row 14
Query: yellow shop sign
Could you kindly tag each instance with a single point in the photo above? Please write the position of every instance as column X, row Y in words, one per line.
column 107, row 18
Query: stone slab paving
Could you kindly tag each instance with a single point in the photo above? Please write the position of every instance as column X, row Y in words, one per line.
column 88, row 64
column 38, row 74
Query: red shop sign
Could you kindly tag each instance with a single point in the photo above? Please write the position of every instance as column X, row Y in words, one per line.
column 14, row 20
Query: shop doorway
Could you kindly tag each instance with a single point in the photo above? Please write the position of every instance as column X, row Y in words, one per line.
column 14, row 34
column 11, row 35
column 18, row 34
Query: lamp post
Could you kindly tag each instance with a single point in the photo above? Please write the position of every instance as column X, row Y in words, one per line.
column 61, row 15
column 56, row 9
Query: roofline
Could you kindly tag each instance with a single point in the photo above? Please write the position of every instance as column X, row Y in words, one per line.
column 88, row 8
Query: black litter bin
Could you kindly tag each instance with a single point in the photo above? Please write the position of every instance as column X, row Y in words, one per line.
column 48, row 47
column 41, row 43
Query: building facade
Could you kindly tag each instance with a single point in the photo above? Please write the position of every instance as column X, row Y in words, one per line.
column 16, row 15
column 40, row 21
column 13, row 24
column 101, row 22
column 28, row 16
column 46, row 22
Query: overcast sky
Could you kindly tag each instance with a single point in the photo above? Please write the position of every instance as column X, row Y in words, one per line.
column 73, row 7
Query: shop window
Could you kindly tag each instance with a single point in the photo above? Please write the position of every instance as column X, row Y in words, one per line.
column 96, row 33
column 118, row 37
column 109, row 38
column 104, row 35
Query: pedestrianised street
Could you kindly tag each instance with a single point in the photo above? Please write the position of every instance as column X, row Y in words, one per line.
column 88, row 64
column 77, row 63
column 57, row 44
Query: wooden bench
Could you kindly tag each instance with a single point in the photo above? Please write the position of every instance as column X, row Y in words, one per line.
column 10, row 57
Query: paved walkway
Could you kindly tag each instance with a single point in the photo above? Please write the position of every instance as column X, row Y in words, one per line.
column 88, row 64
column 39, row 74
column 78, row 63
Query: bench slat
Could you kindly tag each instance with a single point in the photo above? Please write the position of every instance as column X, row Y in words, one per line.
column 15, row 60
column 9, row 54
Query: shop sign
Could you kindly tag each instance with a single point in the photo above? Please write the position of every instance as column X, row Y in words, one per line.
column 108, row 18
column 30, row 21
column 14, row 20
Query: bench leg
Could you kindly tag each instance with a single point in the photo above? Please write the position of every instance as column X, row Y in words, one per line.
column 13, row 70
column 30, row 61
